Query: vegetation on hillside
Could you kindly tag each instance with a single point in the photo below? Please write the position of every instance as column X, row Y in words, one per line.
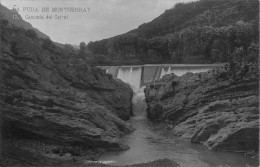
column 204, row 31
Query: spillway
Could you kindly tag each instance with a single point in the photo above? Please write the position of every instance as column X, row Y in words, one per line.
column 138, row 76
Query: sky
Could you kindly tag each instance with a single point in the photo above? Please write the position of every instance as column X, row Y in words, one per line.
column 101, row 19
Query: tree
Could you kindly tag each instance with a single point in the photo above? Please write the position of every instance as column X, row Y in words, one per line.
column 69, row 49
column 82, row 48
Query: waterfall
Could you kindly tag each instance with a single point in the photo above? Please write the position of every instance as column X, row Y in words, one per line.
column 125, row 74
column 136, row 76
column 133, row 76
column 139, row 104
column 164, row 71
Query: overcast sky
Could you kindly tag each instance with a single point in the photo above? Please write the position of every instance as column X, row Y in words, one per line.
column 106, row 18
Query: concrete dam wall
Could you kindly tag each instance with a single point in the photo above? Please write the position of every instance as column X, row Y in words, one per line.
column 141, row 75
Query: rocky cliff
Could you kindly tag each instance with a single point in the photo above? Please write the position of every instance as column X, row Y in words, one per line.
column 51, row 96
column 218, row 108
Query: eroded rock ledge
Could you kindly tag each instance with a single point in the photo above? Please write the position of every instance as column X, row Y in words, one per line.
column 51, row 95
column 218, row 108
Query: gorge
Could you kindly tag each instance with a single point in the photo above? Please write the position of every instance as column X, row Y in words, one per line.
column 63, row 110
column 115, row 102
column 174, row 139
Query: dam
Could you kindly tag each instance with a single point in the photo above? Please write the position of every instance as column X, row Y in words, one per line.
column 140, row 75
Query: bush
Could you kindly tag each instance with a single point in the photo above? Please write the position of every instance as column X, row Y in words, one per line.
column 31, row 34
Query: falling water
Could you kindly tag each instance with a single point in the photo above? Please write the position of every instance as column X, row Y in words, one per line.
column 132, row 76
column 139, row 105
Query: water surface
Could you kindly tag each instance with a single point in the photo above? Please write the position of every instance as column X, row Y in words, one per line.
column 151, row 141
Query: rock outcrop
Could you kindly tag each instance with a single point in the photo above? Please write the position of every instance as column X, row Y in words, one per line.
column 218, row 108
column 49, row 95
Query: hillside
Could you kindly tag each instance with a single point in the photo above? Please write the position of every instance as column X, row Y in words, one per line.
column 7, row 14
column 54, row 105
column 204, row 31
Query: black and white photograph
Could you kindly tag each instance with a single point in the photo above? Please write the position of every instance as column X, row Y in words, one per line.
column 129, row 83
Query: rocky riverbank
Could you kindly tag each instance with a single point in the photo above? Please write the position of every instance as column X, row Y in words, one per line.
column 218, row 108
column 52, row 97
column 33, row 153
